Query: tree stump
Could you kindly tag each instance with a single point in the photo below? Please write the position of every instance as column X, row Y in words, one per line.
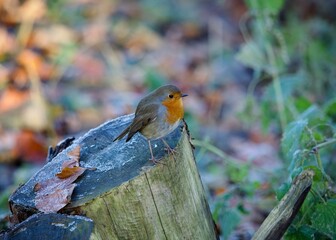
column 126, row 196
column 51, row 226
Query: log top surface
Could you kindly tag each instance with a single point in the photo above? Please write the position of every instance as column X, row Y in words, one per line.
column 115, row 162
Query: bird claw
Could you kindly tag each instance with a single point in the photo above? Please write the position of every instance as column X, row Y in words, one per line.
column 155, row 161
column 170, row 151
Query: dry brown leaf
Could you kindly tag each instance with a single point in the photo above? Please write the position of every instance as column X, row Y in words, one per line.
column 55, row 201
column 19, row 76
column 29, row 59
column 71, row 167
column 30, row 146
column 74, row 154
column 91, row 68
column 15, row 11
column 52, row 38
column 55, row 193
column 7, row 42
column 34, row 63
column 70, row 171
column 11, row 99
column 32, row 10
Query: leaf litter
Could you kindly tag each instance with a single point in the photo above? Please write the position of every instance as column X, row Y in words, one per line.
column 54, row 193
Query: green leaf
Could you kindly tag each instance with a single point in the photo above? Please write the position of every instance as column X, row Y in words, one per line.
column 304, row 232
column 290, row 142
column 237, row 173
column 323, row 219
column 302, row 103
column 330, row 110
column 252, row 56
column 230, row 218
column 289, row 85
column 318, row 175
column 270, row 6
column 313, row 112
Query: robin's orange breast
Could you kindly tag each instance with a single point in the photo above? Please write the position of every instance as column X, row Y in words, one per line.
column 175, row 110
column 168, row 118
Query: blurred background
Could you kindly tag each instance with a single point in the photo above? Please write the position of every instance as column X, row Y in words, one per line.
column 260, row 75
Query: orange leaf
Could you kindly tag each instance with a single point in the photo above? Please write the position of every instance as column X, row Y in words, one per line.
column 71, row 167
column 70, row 171
column 30, row 146
column 12, row 98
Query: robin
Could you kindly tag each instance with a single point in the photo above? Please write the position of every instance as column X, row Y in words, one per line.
column 157, row 114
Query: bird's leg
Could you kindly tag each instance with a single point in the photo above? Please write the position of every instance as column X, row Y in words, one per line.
column 168, row 148
column 151, row 151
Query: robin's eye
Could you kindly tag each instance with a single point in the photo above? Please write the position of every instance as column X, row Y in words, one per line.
column 170, row 95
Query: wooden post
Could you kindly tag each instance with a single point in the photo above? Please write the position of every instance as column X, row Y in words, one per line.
column 279, row 219
column 127, row 197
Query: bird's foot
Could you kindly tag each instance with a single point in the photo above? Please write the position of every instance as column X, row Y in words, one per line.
column 155, row 161
column 169, row 150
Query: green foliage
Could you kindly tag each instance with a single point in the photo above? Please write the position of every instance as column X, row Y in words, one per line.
column 292, row 139
column 273, row 6
column 302, row 145
column 227, row 216
column 229, row 207
column 324, row 219
column 293, row 65
column 237, row 173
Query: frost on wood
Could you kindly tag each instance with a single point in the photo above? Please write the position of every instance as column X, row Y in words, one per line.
column 115, row 162
column 51, row 226
column 126, row 196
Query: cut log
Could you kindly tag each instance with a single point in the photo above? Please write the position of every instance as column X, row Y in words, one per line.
column 279, row 219
column 126, row 196
column 51, row 226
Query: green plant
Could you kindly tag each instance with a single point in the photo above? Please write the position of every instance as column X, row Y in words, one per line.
column 309, row 143
column 293, row 69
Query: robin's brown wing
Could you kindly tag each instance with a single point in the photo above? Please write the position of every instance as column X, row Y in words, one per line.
column 144, row 116
column 122, row 134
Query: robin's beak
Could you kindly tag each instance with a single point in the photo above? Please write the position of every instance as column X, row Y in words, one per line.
column 184, row 95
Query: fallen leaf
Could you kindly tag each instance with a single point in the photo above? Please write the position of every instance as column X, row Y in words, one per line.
column 55, row 201
column 19, row 76
column 32, row 10
column 12, row 98
column 74, row 154
column 30, row 146
column 7, row 42
column 55, row 193
column 71, row 167
column 34, row 63
column 90, row 67
column 70, row 171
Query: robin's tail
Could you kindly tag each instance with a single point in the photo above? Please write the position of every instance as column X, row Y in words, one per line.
column 121, row 135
